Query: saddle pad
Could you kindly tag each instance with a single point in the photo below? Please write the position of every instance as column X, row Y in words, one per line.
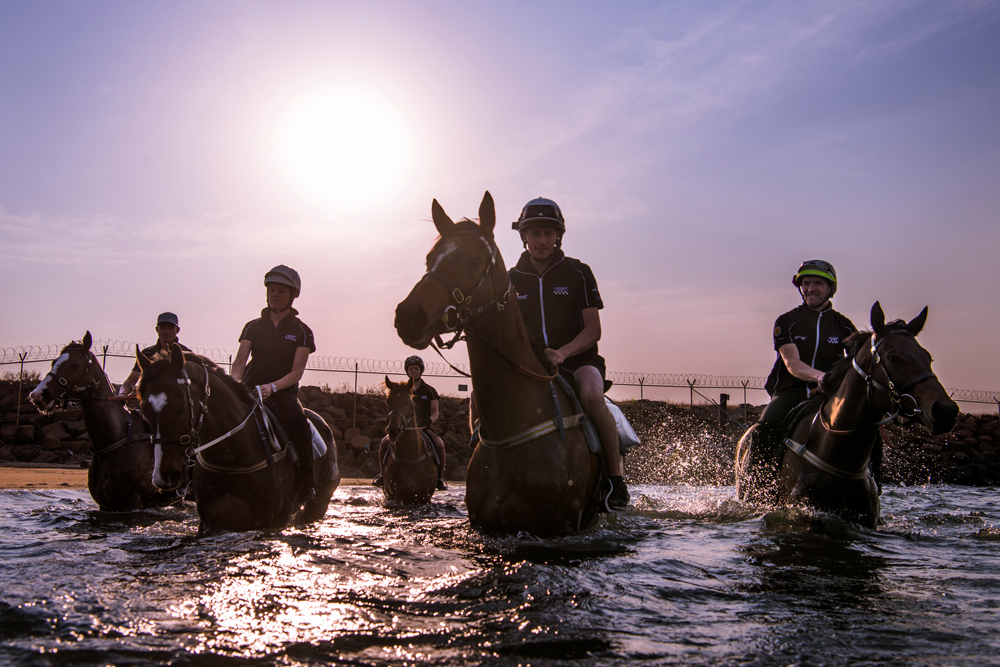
column 589, row 432
column 319, row 446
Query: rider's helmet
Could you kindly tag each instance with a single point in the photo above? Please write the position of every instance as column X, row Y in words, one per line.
column 284, row 275
column 413, row 361
column 820, row 268
column 541, row 212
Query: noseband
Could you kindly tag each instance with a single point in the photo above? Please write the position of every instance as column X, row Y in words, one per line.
column 81, row 391
column 896, row 395
column 192, row 438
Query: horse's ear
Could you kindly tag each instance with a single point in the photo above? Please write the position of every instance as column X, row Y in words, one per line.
column 441, row 220
column 176, row 357
column 409, row 384
column 142, row 359
column 917, row 323
column 487, row 214
column 878, row 318
column 87, row 342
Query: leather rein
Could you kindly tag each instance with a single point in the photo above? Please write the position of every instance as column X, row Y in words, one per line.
column 896, row 398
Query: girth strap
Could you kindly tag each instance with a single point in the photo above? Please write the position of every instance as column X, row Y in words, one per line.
column 534, row 432
column 801, row 450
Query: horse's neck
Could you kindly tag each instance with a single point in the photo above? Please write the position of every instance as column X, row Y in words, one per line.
column 505, row 398
column 410, row 443
column 849, row 408
column 225, row 411
column 106, row 420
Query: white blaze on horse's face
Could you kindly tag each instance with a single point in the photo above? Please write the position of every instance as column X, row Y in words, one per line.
column 447, row 250
column 36, row 394
column 158, row 401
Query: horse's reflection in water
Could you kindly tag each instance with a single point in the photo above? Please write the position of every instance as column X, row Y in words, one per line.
column 532, row 470
column 240, row 482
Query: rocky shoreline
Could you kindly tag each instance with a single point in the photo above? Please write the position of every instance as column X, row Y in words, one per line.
column 680, row 444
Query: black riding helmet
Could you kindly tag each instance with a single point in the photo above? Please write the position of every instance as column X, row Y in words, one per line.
column 413, row 361
column 540, row 212
column 284, row 275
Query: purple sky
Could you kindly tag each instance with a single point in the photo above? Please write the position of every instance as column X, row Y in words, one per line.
column 700, row 151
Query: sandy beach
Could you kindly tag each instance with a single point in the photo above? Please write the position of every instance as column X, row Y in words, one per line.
column 13, row 476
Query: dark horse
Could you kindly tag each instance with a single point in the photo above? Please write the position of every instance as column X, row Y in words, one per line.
column 885, row 375
column 201, row 417
column 532, row 469
column 121, row 469
column 410, row 471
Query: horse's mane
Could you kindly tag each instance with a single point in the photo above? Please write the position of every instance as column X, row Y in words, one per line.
column 162, row 363
column 853, row 342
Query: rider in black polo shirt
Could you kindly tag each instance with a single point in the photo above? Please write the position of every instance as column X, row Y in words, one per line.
column 809, row 339
column 167, row 328
column 425, row 411
column 278, row 345
column 560, row 304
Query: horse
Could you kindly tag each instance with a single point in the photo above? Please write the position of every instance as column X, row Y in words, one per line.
column 886, row 374
column 239, row 482
column 120, row 474
column 532, row 469
column 409, row 471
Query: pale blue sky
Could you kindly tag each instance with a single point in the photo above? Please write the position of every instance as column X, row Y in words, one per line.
column 700, row 151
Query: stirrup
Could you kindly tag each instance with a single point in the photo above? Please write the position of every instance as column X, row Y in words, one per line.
column 378, row 481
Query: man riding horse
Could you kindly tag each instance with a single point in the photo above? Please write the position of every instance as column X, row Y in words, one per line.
column 808, row 340
column 278, row 344
column 167, row 328
column 425, row 406
column 560, row 304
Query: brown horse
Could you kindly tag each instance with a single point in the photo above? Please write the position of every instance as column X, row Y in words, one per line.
column 240, row 482
column 410, row 471
column 532, row 469
column 887, row 374
column 120, row 474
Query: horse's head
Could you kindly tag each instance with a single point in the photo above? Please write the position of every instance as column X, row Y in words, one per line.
column 464, row 270
column 174, row 407
column 399, row 401
column 899, row 367
column 75, row 373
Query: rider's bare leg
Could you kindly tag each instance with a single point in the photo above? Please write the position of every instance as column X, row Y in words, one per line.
column 383, row 447
column 591, row 386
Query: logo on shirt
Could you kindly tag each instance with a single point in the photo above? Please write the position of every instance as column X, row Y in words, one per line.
column 777, row 331
column 799, row 337
column 834, row 340
column 291, row 337
column 562, row 291
column 522, row 297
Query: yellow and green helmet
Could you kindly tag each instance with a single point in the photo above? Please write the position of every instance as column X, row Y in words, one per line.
column 817, row 267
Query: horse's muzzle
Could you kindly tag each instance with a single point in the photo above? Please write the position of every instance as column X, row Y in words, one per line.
column 943, row 416
column 411, row 324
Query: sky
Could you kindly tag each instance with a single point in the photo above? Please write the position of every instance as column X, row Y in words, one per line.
column 164, row 156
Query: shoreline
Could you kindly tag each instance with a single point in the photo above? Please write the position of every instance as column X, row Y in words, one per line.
column 54, row 476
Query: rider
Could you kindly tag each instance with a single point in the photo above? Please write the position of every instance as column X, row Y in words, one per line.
column 808, row 340
column 167, row 329
column 280, row 345
column 425, row 408
column 560, row 304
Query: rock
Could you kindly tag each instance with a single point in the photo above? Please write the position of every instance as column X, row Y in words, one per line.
column 76, row 446
column 25, row 434
column 375, row 431
column 350, row 433
column 56, row 430
column 359, row 442
column 24, row 452
column 47, row 457
column 71, row 415
column 8, row 433
column 49, row 444
column 76, row 428
column 6, row 454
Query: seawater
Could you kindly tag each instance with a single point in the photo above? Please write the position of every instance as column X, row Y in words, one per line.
column 687, row 576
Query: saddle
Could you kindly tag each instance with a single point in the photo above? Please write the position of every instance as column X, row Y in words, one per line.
column 271, row 428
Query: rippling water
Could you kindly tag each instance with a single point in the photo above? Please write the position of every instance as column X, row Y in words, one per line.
column 687, row 576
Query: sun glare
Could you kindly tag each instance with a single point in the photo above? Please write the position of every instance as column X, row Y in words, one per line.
column 343, row 149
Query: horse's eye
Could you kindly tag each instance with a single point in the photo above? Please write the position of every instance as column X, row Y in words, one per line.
column 476, row 261
column 893, row 358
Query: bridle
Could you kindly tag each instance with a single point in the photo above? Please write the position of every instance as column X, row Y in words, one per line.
column 410, row 417
column 80, row 391
column 458, row 317
column 192, row 438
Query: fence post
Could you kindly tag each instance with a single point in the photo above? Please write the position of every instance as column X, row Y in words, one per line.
column 745, row 383
column 230, row 364
column 20, row 384
column 104, row 361
column 643, row 379
column 691, row 384
column 354, row 419
column 723, row 400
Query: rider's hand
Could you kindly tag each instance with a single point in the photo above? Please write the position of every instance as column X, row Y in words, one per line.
column 265, row 390
column 125, row 390
column 554, row 357
column 822, row 382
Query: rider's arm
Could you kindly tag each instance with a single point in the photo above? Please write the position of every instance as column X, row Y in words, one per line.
column 433, row 417
column 298, row 368
column 798, row 368
column 240, row 362
column 583, row 341
column 128, row 386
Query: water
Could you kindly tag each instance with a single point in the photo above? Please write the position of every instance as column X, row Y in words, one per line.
column 689, row 576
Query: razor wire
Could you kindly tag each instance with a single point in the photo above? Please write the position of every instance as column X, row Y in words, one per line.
column 116, row 348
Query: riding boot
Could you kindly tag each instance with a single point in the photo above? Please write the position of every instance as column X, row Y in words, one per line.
column 307, row 484
column 875, row 461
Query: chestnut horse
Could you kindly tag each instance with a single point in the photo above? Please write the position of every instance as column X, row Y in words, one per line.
column 121, row 468
column 532, row 469
column 410, row 472
column 240, row 482
column 887, row 374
